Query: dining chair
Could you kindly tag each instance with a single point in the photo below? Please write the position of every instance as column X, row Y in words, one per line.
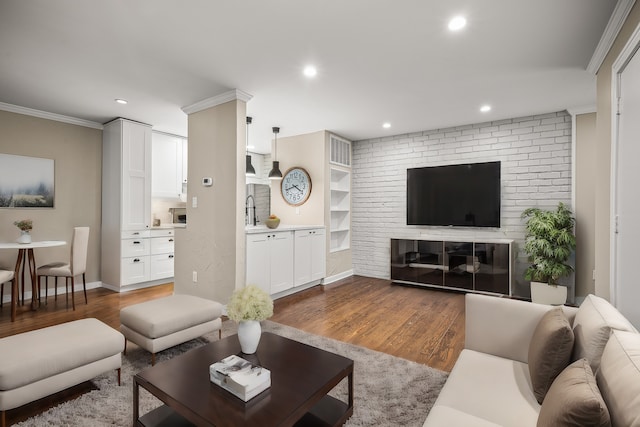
column 77, row 265
column 6, row 276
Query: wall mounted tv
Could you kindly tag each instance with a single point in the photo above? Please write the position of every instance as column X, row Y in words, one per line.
column 466, row 195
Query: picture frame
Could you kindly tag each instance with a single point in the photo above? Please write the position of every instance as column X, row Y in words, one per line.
column 26, row 182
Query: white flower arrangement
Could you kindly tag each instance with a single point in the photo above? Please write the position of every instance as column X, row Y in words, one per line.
column 250, row 303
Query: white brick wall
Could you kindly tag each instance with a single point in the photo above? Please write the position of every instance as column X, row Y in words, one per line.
column 535, row 155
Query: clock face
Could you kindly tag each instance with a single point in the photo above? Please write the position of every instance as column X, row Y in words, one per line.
column 296, row 186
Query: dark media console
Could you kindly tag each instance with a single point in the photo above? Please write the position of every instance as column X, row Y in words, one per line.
column 468, row 265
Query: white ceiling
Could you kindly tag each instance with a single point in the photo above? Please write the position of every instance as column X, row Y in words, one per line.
column 378, row 60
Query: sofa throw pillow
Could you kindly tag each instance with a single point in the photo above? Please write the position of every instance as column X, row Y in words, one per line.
column 549, row 351
column 619, row 378
column 594, row 321
column 574, row 400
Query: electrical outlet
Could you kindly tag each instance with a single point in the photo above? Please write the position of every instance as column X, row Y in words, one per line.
column 194, row 202
column 195, row 277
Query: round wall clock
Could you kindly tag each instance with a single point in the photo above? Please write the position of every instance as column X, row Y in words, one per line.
column 296, row 186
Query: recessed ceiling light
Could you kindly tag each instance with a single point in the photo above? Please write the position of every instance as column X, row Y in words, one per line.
column 386, row 125
column 121, row 101
column 485, row 108
column 310, row 71
column 457, row 23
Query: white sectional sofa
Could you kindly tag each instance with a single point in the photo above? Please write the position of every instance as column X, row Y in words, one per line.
column 491, row 382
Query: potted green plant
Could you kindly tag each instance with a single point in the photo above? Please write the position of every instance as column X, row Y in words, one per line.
column 249, row 306
column 549, row 243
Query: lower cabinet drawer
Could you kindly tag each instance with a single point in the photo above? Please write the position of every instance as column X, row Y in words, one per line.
column 161, row 266
column 162, row 245
column 135, row 247
column 136, row 269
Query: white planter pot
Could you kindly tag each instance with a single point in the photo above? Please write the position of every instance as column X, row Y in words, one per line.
column 249, row 332
column 25, row 237
column 543, row 293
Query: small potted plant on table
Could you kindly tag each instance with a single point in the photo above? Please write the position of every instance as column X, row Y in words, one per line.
column 549, row 243
column 25, row 226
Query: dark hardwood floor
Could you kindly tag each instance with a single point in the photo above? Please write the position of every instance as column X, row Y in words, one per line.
column 423, row 325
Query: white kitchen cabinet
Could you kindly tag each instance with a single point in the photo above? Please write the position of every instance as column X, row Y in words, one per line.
column 309, row 256
column 162, row 254
column 169, row 174
column 136, row 175
column 270, row 261
column 126, row 203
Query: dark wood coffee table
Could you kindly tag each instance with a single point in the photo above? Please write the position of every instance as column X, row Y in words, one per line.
column 301, row 377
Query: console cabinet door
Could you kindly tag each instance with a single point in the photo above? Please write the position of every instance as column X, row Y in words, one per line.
column 318, row 254
column 281, row 264
column 259, row 261
column 302, row 264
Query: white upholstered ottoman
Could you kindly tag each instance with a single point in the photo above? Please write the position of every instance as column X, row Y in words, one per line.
column 165, row 322
column 38, row 363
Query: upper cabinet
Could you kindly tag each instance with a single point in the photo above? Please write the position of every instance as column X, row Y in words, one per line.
column 169, row 172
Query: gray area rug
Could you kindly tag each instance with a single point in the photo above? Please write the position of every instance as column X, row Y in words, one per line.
column 388, row 391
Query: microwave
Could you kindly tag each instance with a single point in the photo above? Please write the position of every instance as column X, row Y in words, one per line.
column 178, row 215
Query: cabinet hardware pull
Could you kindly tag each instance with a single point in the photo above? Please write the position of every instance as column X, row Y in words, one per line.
column 171, row 240
column 135, row 242
column 136, row 260
column 170, row 256
column 135, row 234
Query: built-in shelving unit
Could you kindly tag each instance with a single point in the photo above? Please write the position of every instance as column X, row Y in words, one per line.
column 340, row 209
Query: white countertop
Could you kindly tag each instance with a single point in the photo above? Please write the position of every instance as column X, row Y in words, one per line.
column 169, row 226
column 253, row 229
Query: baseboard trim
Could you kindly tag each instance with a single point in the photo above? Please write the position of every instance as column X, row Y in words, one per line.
column 337, row 277
column 61, row 290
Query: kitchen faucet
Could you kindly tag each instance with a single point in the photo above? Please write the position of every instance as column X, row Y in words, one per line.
column 254, row 221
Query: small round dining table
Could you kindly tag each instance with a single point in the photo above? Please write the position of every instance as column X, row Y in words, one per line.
column 26, row 257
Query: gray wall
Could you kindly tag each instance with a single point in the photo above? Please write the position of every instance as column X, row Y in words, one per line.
column 535, row 152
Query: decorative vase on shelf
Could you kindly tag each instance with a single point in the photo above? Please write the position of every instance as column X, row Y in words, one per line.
column 25, row 237
column 249, row 332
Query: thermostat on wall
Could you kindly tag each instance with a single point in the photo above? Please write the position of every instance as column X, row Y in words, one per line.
column 207, row 182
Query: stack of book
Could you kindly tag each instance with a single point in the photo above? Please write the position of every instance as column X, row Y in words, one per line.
column 240, row 377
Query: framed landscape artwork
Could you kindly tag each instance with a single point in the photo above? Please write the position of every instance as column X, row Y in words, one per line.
column 26, row 182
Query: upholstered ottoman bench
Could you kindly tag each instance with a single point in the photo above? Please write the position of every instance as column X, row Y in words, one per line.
column 165, row 322
column 38, row 363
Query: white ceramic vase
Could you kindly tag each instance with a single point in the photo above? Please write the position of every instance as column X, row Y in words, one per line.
column 249, row 332
column 25, row 237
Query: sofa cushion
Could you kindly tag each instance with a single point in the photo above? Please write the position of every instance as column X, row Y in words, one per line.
column 490, row 388
column 619, row 378
column 445, row 416
column 592, row 326
column 549, row 351
column 574, row 400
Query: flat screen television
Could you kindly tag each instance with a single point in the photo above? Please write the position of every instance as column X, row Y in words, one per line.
column 466, row 195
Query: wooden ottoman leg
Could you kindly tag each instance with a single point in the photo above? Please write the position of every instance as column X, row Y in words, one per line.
column 153, row 359
column 119, row 372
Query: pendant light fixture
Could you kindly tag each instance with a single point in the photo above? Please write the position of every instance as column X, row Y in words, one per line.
column 275, row 169
column 250, row 170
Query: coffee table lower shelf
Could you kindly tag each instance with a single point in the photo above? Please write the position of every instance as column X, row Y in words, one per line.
column 328, row 412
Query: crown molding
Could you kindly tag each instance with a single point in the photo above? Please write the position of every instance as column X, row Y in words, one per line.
column 618, row 17
column 232, row 95
column 586, row 109
column 49, row 116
